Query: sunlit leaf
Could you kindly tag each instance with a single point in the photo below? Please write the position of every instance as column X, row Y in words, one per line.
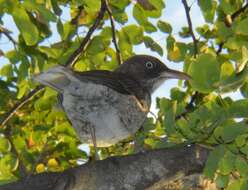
column 28, row 30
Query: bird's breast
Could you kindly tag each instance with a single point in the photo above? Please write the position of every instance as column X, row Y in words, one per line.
column 114, row 116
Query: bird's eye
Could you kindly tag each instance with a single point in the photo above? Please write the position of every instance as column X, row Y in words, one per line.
column 149, row 65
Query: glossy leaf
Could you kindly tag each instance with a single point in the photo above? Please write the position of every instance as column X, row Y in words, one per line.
column 28, row 30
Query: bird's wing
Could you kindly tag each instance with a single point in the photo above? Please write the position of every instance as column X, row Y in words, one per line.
column 103, row 77
column 119, row 82
column 60, row 77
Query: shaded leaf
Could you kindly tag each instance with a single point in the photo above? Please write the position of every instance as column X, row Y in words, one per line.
column 164, row 26
column 208, row 7
column 213, row 161
column 154, row 46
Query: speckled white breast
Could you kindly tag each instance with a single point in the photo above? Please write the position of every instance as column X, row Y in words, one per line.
column 114, row 116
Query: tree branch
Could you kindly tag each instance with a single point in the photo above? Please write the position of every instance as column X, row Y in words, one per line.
column 71, row 61
column 21, row 103
column 21, row 167
column 238, row 12
column 74, row 57
column 6, row 32
column 188, row 107
column 233, row 17
column 118, row 53
column 129, row 172
column 187, row 11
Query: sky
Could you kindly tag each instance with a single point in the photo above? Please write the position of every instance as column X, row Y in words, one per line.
column 174, row 14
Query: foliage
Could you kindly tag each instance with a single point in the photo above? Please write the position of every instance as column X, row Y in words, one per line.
column 39, row 135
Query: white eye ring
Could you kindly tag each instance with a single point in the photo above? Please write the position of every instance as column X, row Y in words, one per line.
column 149, row 65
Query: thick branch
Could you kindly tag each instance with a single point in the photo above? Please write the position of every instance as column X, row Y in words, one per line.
column 74, row 57
column 187, row 11
column 130, row 172
column 118, row 53
column 71, row 61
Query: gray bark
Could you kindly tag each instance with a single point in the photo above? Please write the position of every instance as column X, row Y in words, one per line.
column 148, row 170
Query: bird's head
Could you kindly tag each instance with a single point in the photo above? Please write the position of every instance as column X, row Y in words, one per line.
column 149, row 71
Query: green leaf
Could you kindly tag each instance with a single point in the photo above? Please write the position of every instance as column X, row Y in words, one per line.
column 238, row 109
column 244, row 90
column 169, row 115
column 242, row 27
column 223, row 31
column 213, row 160
column 244, row 149
column 7, row 71
column 97, row 44
column 68, row 31
column 119, row 4
column 43, row 12
column 5, row 145
column 154, row 46
column 23, row 87
column 222, row 181
column 9, row 162
column 177, row 52
column 164, row 26
column 241, row 166
column 205, row 72
column 227, row 163
column 234, row 185
column 23, row 69
column 134, row 33
column 233, row 130
column 28, row 30
column 177, row 94
column 230, row 7
column 92, row 6
column 241, row 140
column 60, row 28
column 141, row 17
column 56, row 7
column 208, row 7
column 124, row 44
column 157, row 143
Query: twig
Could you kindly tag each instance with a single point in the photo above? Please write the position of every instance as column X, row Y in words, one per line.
column 187, row 11
column 21, row 103
column 71, row 61
column 6, row 32
column 118, row 53
column 74, row 57
column 188, row 107
column 238, row 12
column 220, row 48
column 233, row 17
column 22, row 168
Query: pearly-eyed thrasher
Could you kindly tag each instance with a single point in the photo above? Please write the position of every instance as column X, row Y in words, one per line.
column 110, row 105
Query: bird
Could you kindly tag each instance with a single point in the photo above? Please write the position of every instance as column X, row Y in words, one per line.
column 106, row 107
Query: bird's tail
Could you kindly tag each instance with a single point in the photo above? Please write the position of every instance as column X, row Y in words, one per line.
column 57, row 78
